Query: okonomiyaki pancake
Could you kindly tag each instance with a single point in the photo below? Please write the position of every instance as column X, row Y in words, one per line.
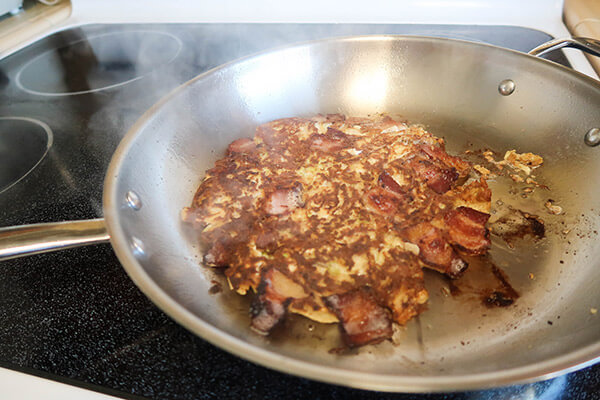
column 333, row 218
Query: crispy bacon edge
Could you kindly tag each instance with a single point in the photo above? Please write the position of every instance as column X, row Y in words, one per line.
column 466, row 230
column 437, row 178
column 434, row 250
column 461, row 166
column 387, row 197
column 243, row 145
column 363, row 321
column 269, row 306
column 332, row 140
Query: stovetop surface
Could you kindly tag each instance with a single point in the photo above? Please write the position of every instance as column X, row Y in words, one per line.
column 75, row 316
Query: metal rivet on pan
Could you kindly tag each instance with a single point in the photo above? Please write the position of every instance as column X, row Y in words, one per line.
column 592, row 137
column 133, row 200
column 506, row 87
column 137, row 247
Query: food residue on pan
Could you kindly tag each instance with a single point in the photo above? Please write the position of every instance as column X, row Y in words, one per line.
column 518, row 167
column 334, row 217
column 521, row 163
column 485, row 282
column 504, row 295
column 516, row 224
column 215, row 288
column 552, row 208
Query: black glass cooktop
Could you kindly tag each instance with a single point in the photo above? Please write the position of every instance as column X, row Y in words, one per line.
column 74, row 316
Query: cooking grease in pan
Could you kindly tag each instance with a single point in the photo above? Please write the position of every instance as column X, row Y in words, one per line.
column 332, row 218
column 486, row 282
column 517, row 224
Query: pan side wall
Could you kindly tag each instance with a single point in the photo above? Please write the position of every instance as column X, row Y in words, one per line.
column 451, row 88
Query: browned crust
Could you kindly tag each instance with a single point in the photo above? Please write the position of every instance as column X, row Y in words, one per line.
column 364, row 182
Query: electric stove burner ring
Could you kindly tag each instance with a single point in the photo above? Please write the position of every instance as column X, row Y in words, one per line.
column 24, row 142
column 98, row 63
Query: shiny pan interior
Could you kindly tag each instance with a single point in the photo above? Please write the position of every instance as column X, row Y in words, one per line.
column 449, row 86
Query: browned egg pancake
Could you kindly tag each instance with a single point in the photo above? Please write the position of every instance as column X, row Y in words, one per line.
column 333, row 218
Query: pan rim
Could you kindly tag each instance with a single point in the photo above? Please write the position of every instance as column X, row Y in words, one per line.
column 546, row 369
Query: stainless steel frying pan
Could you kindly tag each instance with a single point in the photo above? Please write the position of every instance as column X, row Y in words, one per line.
column 474, row 95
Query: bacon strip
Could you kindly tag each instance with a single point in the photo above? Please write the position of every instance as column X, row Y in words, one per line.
column 217, row 255
column 274, row 293
column 439, row 153
column 363, row 321
column 440, row 180
column 243, row 145
column 383, row 202
column 435, row 252
column 387, row 182
column 466, row 229
column 284, row 200
column 333, row 140
column 268, row 135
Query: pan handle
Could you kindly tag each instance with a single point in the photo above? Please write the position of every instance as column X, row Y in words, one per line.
column 18, row 241
column 588, row 45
